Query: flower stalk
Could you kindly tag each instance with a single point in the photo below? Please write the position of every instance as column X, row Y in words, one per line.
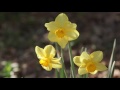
column 71, row 61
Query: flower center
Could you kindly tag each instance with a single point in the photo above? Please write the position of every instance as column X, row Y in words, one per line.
column 60, row 33
column 91, row 67
column 44, row 62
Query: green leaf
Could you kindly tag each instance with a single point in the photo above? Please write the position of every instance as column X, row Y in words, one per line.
column 63, row 73
column 112, row 69
column 82, row 49
column 57, row 70
column 111, row 59
column 71, row 60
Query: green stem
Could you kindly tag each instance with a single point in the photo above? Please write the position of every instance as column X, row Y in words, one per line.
column 80, row 76
column 57, row 70
column 57, row 73
column 71, row 60
column 63, row 70
column 85, row 76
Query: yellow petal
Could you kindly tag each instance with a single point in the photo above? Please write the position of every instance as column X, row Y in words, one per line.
column 94, row 72
column 49, row 68
column 51, row 26
column 40, row 52
column 57, row 65
column 62, row 42
column 56, row 60
column 82, row 71
column 84, row 57
column 97, row 56
column 100, row 67
column 52, row 37
column 49, row 51
column 76, row 60
column 61, row 19
column 72, row 35
column 70, row 26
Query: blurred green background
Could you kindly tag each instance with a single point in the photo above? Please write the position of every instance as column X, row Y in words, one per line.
column 20, row 32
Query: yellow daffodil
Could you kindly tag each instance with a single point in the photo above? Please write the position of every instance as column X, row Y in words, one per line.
column 89, row 63
column 61, row 30
column 46, row 57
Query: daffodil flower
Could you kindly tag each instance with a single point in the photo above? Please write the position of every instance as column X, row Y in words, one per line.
column 46, row 57
column 89, row 63
column 62, row 30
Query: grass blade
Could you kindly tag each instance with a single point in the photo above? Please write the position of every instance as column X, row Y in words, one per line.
column 71, row 60
column 57, row 70
column 111, row 59
column 112, row 69
column 82, row 49
column 63, row 70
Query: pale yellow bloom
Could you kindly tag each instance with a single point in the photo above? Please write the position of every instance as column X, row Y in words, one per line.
column 62, row 30
column 46, row 57
column 89, row 63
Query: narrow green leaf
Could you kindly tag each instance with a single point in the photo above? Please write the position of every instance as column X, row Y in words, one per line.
column 63, row 70
column 57, row 73
column 86, row 75
column 70, row 72
column 111, row 59
column 82, row 49
column 57, row 70
column 112, row 69
column 71, row 60
column 85, row 49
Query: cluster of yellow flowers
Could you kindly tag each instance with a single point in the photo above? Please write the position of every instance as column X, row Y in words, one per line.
column 62, row 31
